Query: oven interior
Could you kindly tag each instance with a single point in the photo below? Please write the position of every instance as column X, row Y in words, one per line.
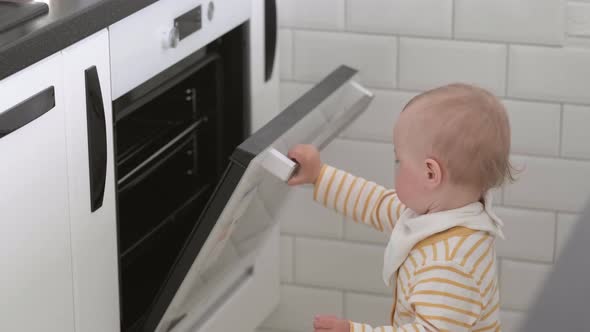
column 173, row 137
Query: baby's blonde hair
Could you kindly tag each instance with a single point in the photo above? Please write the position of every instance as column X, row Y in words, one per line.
column 470, row 134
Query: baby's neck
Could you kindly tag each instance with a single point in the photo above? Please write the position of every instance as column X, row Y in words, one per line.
column 453, row 197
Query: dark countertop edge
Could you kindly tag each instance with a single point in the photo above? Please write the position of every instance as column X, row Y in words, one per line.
column 55, row 37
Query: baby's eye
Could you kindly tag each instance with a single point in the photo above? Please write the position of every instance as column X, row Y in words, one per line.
column 397, row 162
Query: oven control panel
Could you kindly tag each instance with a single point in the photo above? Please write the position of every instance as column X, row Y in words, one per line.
column 188, row 23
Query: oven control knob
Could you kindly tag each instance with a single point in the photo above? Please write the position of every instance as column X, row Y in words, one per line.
column 171, row 37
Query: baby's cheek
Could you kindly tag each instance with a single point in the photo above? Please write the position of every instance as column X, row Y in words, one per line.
column 401, row 186
column 405, row 186
column 397, row 179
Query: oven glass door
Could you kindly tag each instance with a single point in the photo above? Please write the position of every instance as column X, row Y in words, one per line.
column 222, row 244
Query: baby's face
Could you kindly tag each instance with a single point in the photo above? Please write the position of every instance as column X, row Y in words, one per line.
column 410, row 170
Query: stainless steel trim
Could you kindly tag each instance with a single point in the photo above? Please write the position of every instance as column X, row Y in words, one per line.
column 161, row 150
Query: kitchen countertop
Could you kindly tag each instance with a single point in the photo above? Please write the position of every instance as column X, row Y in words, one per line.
column 67, row 22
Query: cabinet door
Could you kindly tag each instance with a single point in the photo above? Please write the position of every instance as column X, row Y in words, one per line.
column 91, row 183
column 35, row 250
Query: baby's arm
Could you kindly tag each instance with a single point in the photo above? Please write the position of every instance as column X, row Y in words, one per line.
column 357, row 198
column 352, row 196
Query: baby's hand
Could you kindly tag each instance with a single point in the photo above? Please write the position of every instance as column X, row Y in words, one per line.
column 324, row 323
column 308, row 158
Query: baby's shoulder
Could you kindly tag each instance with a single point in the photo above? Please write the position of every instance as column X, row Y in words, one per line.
column 470, row 251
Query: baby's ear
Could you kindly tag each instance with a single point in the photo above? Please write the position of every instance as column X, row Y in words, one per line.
column 433, row 172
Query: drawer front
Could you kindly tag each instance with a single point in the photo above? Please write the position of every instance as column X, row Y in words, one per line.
column 142, row 45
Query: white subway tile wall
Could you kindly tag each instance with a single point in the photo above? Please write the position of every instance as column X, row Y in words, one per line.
column 535, row 127
column 527, row 21
column 300, row 215
column 522, row 242
column 521, row 282
column 578, row 19
column 549, row 73
column 363, row 233
column 575, row 129
column 428, row 63
column 287, row 261
column 533, row 53
column 372, row 309
column 566, row 224
column 512, row 320
column 298, row 306
column 311, row 14
column 372, row 160
column 399, row 17
column 548, row 183
column 317, row 53
column 373, row 123
column 328, row 263
column 286, row 53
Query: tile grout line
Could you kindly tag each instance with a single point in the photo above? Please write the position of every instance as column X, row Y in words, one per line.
column 527, row 261
column 555, row 238
column 397, row 61
column 507, row 72
column 427, row 37
column 561, row 130
column 345, row 15
column 517, row 207
column 499, row 270
column 337, row 289
column 356, row 292
column 380, row 245
column 513, row 154
column 344, row 305
column 292, row 54
column 555, row 158
column 332, row 239
column 415, row 91
column 453, row 17
column 294, row 257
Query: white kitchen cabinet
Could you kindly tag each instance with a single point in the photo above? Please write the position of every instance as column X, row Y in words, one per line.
column 264, row 91
column 35, row 247
column 89, row 130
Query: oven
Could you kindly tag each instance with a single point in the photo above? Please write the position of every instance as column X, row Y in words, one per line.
column 196, row 127
column 173, row 136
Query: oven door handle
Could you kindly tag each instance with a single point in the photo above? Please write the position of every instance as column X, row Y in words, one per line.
column 270, row 37
column 97, row 138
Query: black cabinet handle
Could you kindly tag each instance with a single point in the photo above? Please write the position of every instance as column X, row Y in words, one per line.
column 26, row 111
column 97, row 138
column 270, row 37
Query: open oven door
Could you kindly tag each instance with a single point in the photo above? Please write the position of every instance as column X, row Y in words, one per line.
column 226, row 276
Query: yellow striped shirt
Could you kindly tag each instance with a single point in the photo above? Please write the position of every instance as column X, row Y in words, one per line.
column 447, row 283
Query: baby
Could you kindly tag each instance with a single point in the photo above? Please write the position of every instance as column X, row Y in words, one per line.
column 452, row 146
